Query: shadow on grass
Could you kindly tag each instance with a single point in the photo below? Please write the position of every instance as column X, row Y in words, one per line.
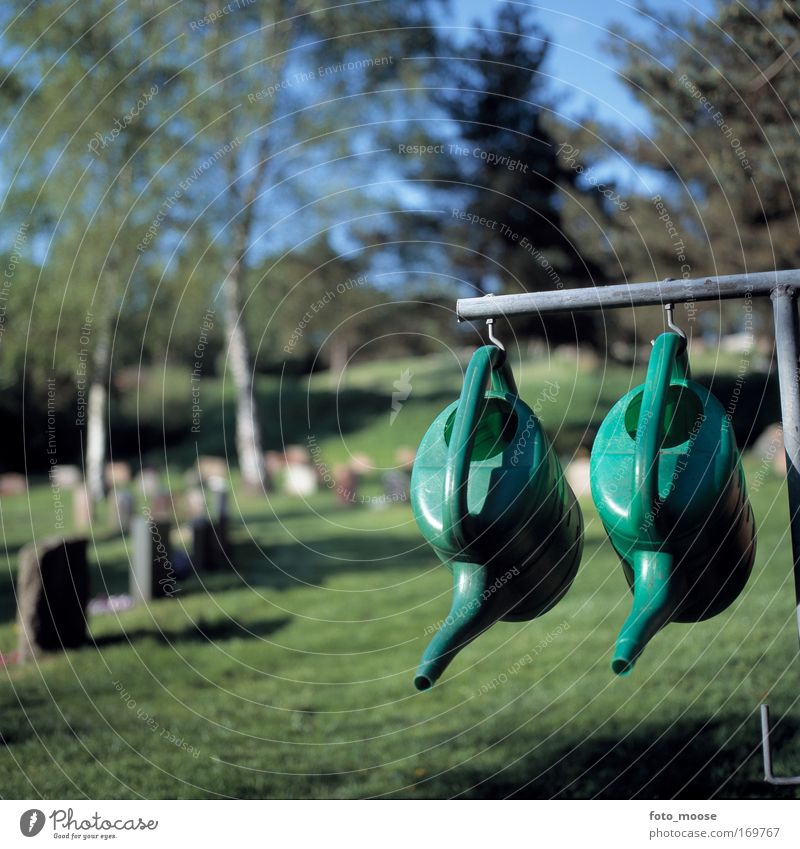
column 288, row 416
column 196, row 632
column 691, row 760
column 255, row 562
column 754, row 401
column 285, row 565
column 282, row 565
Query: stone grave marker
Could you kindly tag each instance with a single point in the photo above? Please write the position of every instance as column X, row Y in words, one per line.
column 152, row 574
column 346, row 488
column 120, row 505
column 396, row 486
column 212, row 467
column 297, row 455
column 300, row 479
column 148, row 482
column 117, row 474
column 210, row 544
column 194, row 502
column 274, row 461
column 769, row 448
column 66, row 477
column 81, row 508
column 578, row 477
column 161, row 505
column 13, row 483
column 52, row 595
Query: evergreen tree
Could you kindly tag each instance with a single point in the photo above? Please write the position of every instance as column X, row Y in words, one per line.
column 510, row 174
column 721, row 92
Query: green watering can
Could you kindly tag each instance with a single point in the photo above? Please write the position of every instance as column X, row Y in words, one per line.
column 489, row 496
column 668, row 485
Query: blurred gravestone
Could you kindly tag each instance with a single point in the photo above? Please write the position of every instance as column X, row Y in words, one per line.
column 161, row 505
column 362, row 463
column 148, row 482
column 152, row 574
column 194, row 502
column 396, row 486
column 120, row 502
column 81, row 508
column 210, row 532
column 578, row 478
column 212, row 467
column 67, row 477
column 52, row 594
column 220, row 504
column 769, row 448
column 301, row 479
column 117, row 474
column 274, row 461
column 12, row 483
column 209, row 546
column 346, row 488
column 297, row 455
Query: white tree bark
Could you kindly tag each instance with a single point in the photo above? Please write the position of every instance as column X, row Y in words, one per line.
column 339, row 352
column 248, row 432
column 96, row 415
column 97, row 405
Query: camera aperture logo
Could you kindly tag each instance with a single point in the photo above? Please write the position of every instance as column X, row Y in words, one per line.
column 31, row 822
column 67, row 825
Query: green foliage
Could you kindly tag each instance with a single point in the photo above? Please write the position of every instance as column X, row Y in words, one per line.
column 720, row 93
column 511, row 183
column 179, row 142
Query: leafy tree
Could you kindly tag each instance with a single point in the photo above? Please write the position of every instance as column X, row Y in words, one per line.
column 255, row 137
column 506, row 171
column 722, row 154
column 283, row 89
column 83, row 91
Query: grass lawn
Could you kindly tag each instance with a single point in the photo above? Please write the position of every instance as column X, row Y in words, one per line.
column 291, row 675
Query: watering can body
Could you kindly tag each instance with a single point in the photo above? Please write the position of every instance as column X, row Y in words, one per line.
column 489, row 495
column 668, row 485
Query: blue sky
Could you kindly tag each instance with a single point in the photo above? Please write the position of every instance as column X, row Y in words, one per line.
column 584, row 79
column 578, row 63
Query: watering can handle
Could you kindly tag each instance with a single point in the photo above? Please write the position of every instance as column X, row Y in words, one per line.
column 487, row 359
column 667, row 362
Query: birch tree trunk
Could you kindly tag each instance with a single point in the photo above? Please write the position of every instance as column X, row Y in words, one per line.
column 96, row 414
column 244, row 194
column 97, row 402
column 338, row 357
column 248, row 433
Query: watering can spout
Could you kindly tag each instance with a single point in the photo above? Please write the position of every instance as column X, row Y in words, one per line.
column 475, row 608
column 653, row 607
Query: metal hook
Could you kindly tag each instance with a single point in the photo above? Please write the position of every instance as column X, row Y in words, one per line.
column 766, row 747
column 668, row 309
column 492, row 338
column 490, row 327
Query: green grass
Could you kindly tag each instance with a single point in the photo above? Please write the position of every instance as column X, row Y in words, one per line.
column 291, row 676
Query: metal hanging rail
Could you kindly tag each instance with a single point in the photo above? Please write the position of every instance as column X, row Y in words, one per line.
column 781, row 286
column 629, row 295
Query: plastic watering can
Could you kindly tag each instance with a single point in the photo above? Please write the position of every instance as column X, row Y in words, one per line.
column 489, row 495
column 668, row 485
